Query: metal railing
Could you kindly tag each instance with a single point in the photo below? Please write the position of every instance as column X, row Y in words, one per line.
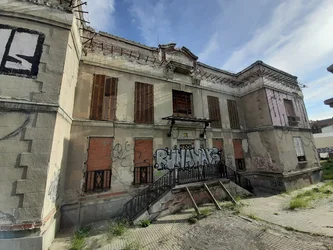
column 239, row 179
column 200, row 173
column 143, row 175
column 98, row 180
column 141, row 201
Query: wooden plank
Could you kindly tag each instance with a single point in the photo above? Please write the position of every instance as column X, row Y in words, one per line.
column 193, row 202
column 228, row 193
column 211, row 196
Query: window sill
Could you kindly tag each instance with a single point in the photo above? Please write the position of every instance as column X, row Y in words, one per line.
column 302, row 162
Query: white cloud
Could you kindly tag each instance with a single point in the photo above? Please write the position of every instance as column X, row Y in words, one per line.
column 314, row 96
column 297, row 39
column 101, row 14
column 212, row 46
column 153, row 21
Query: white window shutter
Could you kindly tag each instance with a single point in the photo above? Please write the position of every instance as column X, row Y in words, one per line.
column 298, row 146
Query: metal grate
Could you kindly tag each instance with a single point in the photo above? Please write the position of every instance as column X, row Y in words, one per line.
column 99, row 180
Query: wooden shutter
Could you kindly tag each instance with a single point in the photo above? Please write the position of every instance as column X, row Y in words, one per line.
column 97, row 97
column 233, row 114
column 288, row 104
column 214, row 111
column 182, row 103
column 298, row 146
column 144, row 103
column 238, row 151
column 110, row 99
column 143, row 157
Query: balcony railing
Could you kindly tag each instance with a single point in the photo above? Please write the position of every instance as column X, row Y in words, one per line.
column 98, row 180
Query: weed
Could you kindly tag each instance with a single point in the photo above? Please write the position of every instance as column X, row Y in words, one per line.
column 206, row 211
column 289, row 228
column 298, row 203
column 118, row 228
column 78, row 240
column 253, row 217
column 192, row 220
column 236, row 208
column 145, row 223
column 134, row 245
column 238, row 198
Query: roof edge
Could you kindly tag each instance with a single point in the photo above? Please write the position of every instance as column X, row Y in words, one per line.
column 216, row 69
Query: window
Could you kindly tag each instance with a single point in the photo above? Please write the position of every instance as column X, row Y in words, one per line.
column 99, row 163
column 104, row 98
column 290, row 111
column 233, row 114
column 214, row 111
column 144, row 103
column 143, row 161
column 182, row 103
column 299, row 149
column 239, row 155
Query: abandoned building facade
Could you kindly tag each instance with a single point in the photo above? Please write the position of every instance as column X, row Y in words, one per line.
column 83, row 113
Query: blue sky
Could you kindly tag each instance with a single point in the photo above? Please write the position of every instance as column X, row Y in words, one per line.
column 293, row 35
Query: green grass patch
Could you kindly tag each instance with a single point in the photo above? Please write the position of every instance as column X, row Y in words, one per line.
column 236, row 208
column 304, row 199
column 206, row 211
column 134, row 245
column 117, row 228
column 78, row 241
column 145, row 223
column 327, row 169
column 253, row 217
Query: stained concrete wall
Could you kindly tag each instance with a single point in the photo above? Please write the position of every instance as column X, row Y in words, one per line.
column 36, row 111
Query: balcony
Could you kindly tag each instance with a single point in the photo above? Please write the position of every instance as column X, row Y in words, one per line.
column 293, row 121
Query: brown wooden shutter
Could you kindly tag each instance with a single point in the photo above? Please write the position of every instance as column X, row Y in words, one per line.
column 110, row 99
column 144, row 103
column 214, row 111
column 238, row 149
column 97, row 97
column 233, row 114
column 143, row 157
column 182, row 103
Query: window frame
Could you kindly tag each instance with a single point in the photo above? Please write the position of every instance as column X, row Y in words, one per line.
column 233, row 114
column 214, row 111
column 176, row 92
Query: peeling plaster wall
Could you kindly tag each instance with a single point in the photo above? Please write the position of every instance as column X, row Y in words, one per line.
column 278, row 111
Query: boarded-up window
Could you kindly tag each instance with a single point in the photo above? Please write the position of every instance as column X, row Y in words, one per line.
column 104, row 98
column 288, row 104
column 239, row 155
column 299, row 149
column 144, row 103
column 143, row 161
column 99, row 163
column 214, row 111
column 238, row 149
column 218, row 143
column 233, row 114
column 182, row 103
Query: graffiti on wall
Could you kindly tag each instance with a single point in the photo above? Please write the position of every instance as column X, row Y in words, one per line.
column 54, row 187
column 186, row 158
column 20, row 51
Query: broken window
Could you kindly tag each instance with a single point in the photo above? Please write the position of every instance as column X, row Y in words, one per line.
column 98, row 165
column 182, row 103
column 239, row 155
column 299, row 149
column 144, row 103
column 214, row 111
column 104, row 98
column 143, row 161
column 233, row 114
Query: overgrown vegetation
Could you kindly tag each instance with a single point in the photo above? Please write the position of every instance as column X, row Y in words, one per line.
column 145, row 223
column 327, row 169
column 78, row 241
column 253, row 217
column 236, row 208
column 118, row 227
column 203, row 214
column 206, row 211
column 134, row 245
column 304, row 199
